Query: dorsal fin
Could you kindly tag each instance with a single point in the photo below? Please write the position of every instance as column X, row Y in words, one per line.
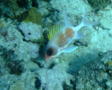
column 53, row 31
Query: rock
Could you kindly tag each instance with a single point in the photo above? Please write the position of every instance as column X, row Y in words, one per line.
column 37, row 83
column 10, row 8
column 94, row 75
column 99, row 4
column 52, row 79
column 31, row 31
column 71, row 8
column 19, row 85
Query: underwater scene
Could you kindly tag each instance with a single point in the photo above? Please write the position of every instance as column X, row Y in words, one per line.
column 55, row 44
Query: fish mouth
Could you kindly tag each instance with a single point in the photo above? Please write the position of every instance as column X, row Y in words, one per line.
column 47, row 57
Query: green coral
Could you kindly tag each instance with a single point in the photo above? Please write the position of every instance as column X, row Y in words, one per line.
column 33, row 16
column 99, row 4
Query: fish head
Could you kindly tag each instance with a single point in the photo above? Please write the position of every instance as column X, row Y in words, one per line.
column 51, row 48
column 50, row 52
column 59, row 39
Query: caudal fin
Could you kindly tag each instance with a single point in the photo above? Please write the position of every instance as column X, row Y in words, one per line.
column 85, row 23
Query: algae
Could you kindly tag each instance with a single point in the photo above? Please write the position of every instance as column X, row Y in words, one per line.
column 33, row 16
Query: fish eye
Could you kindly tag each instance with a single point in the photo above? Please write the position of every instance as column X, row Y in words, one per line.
column 50, row 51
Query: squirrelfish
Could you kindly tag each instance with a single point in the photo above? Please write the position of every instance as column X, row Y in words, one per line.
column 61, row 36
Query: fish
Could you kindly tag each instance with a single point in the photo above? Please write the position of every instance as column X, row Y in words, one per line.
column 61, row 37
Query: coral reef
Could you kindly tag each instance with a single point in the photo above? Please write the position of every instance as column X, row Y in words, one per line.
column 14, row 52
column 10, row 8
column 23, row 36
column 99, row 4
column 95, row 75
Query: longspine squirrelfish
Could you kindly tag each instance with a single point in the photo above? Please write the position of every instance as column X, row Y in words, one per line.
column 61, row 36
